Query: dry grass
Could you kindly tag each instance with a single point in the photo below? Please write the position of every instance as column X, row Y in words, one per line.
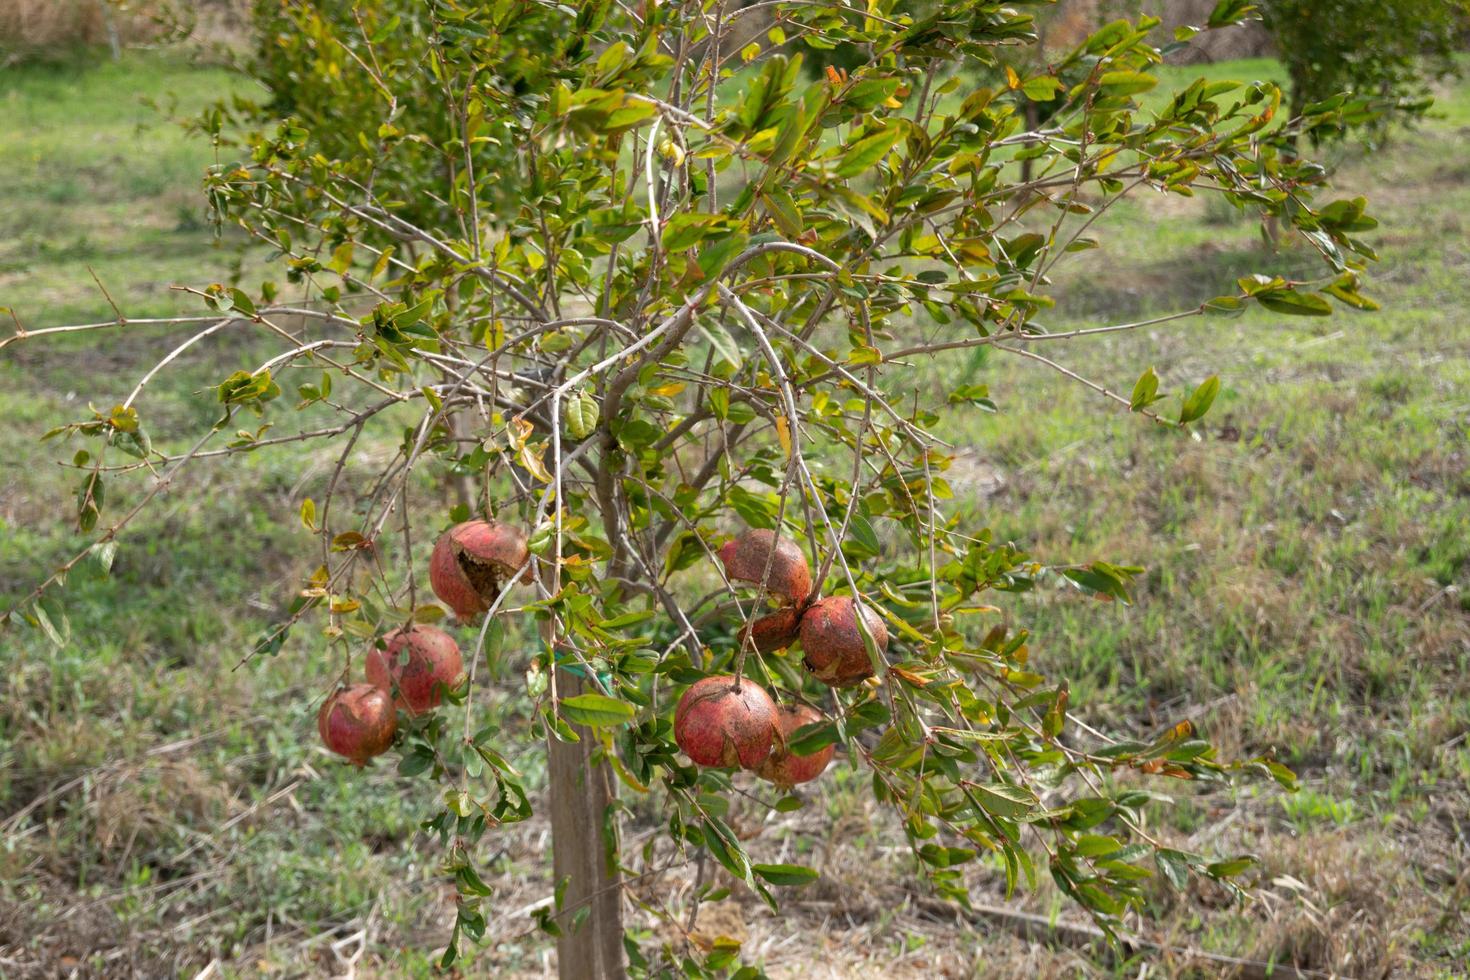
column 63, row 24
column 49, row 29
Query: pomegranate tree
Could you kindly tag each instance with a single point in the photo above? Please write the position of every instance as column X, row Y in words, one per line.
column 631, row 279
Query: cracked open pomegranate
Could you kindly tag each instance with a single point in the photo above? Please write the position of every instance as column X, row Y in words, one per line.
column 415, row 665
column 358, row 722
column 832, row 645
column 473, row 561
column 746, row 557
column 784, row 768
column 720, row 725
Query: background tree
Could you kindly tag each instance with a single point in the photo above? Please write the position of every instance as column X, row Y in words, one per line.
column 720, row 298
column 1390, row 50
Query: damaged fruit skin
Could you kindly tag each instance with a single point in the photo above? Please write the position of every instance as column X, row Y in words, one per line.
column 832, row 644
column 473, row 561
column 433, row 664
column 786, row 769
column 722, row 726
column 358, row 722
column 775, row 631
column 745, row 559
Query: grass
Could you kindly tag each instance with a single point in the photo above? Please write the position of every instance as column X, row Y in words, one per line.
column 1308, row 556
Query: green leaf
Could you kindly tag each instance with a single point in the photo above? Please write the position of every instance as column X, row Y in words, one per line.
column 871, row 92
column 786, row 875
column 1228, row 12
column 685, row 231
column 726, row 848
column 1224, row 306
column 945, row 857
column 1231, row 867
column 1345, row 290
column 1125, row 83
column 52, row 620
column 866, row 152
column 1198, row 403
column 596, row 710
column 103, row 553
column 712, row 260
column 581, row 413
column 1174, row 866
column 242, row 386
column 1042, row 88
column 341, row 259
column 1008, row 802
column 1294, row 303
column 812, row 738
column 242, row 302
column 1145, row 390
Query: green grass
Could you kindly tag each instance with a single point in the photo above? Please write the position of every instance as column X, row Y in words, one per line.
column 1308, row 561
column 98, row 177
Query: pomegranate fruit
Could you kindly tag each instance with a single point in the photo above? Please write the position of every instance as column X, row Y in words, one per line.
column 745, row 560
column 473, row 561
column 358, row 722
column 720, row 725
column 832, row 644
column 776, row 631
column 416, row 682
column 784, row 768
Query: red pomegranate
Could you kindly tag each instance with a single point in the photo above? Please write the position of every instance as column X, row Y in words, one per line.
column 745, row 560
column 785, row 769
column 358, row 722
column 832, row 644
column 417, row 683
column 720, row 725
column 473, row 561
column 775, row 631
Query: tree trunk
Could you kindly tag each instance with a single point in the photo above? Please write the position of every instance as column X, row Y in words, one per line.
column 591, row 943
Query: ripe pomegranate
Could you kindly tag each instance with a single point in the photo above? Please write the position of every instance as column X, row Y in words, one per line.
column 433, row 663
column 720, row 725
column 745, row 560
column 776, row 631
column 358, row 722
column 833, row 645
column 471, row 563
column 785, row 769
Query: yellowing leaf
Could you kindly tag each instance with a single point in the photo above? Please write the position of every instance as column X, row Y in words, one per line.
column 783, row 432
